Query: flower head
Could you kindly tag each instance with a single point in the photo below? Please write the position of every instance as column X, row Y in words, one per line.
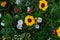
column 2, row 24
column 39, row 20
column 35, row 20
column 16, row 10
column 29, row 20
column 20, row 24
column 18, row 1
column 29, row 10
column 43, row 5
column 37, row 26
column 3, row 4
column 58, row 32
column 3, row 38
column 53, row 31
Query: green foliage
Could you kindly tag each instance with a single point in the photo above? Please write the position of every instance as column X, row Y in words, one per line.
column 50, row 22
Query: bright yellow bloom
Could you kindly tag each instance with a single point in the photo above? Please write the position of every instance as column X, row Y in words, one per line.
column 43, row 5
column 29, row 20
column 58, row 32
column 4, row 39
column 42, row 0
column 36, row 20
column 3, row 4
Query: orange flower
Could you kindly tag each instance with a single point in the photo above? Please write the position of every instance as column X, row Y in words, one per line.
column 58, row 32
column 3, row 4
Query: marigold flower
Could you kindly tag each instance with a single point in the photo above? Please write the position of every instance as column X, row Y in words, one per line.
column 29, row 20
column 3, row 4
column 43, row 5
column 58, row 32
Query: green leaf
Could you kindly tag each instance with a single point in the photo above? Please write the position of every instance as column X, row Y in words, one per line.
column 23, row 35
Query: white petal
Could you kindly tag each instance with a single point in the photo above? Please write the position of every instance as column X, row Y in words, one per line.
column 0, row 15
column 19, row 26
column 18, row 1
column 28, row 9
column 15, row 35
column 2, row 24
column 37, row 26
column 39, row 20
column 49, row 38
column 16, row 16
column 20, row 22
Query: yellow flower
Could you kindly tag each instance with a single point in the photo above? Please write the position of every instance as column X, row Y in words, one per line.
column 42, row 0
column 4, row 39
column 29, row 20
column 36, row 20
column 58, row 32
column 43, row 5
column 29, row 35
column 3, row 4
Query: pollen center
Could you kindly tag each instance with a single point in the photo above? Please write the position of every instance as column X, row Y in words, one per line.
column 42, row 5
column 29, row 20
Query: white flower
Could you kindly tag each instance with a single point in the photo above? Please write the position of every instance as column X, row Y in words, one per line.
column 39, row 20
column 19, row 26
column 0, row 15
column 49, row 38
column 18, row 1
column 28, row 9
column 2, row 24
column 20, row 22
column 37, row 26
column 15, row 35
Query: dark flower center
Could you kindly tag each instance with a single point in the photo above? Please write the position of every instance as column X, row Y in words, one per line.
column 29, row 20
column 35, row 20
column 42, row 5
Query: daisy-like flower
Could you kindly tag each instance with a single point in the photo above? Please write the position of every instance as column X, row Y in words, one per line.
column 29, row 20
column 43, row 5
column 18, row 1
column 20, row 24
column 37, row 26
column 42, row 0
column 39, row 20
column 0, row 15
column 58, row 32
column 2, row 24
column 3, row 4
column 36, row 20
column 3, row 38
